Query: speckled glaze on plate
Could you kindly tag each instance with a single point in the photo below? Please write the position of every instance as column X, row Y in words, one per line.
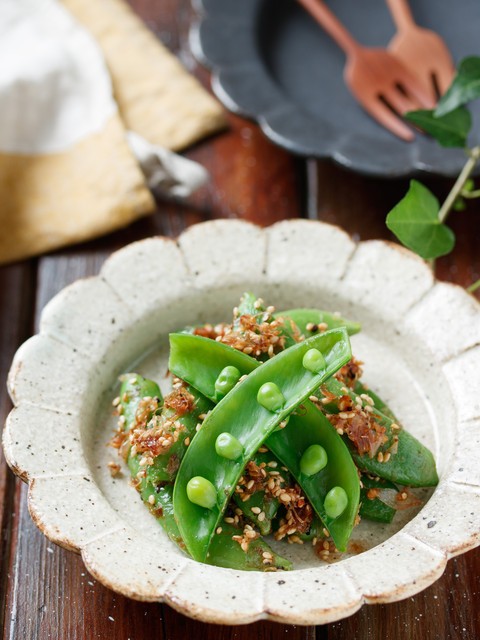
column 273, row 63
column 421, row 344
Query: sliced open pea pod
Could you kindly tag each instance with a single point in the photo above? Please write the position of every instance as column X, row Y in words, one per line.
column 200, row 360
column 411, row 465
column 250, row 422
column 224, row 551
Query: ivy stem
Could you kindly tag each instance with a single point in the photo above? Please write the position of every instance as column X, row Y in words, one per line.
column 474, row 156
column 473, row 287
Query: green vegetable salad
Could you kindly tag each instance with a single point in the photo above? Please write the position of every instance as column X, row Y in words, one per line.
column 268, row 432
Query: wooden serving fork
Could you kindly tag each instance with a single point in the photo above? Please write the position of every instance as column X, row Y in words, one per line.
column 422, row 50
column 381, row 83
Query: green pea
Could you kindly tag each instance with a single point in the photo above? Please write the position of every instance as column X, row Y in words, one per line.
column 228, row 446
column 314, row 361
column 270, row 396
column 202, row 492
column 336, row 502
column 313, row 460
column 227, row 379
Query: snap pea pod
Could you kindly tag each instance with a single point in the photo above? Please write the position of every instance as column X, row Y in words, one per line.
column 249, row 304
column 265, row 505
column 375, row 508
column 316, row 531
column 250, row 412
column 224, row 552
column 165, row 465
column 312, row 428
column 133, row 388
column 412, row 465
column 200, row 361
column 305, row 317
column 378, row 402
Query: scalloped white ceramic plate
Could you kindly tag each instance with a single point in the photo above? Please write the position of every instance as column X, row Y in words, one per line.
column 421, row 345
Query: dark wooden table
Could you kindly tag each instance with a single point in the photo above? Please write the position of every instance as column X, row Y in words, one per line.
column 45, row 591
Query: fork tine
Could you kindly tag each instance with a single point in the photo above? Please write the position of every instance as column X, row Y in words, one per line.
column 444, row 76
column 416, row 89
column 400, row 102
column 378, row 110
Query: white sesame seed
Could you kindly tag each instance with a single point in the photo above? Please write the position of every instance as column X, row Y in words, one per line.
column 255, row 510
column 219, row 530
column 151, row 499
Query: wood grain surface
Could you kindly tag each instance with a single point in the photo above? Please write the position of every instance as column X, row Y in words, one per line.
column 45, row 591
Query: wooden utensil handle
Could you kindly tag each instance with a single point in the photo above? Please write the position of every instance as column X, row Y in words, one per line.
column 402, row 15
column 332, row 25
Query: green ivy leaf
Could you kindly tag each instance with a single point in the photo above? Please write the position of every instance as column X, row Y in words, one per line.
column 414, row 220
column 464, row 88
column 450, row 130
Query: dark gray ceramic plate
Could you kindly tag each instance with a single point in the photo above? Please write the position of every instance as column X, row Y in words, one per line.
column 272, row 62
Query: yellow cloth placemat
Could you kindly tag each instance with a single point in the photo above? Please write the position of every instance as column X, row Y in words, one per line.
column 52, row 200
column 156, row 96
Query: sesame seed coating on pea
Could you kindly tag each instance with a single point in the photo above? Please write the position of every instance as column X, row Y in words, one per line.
column 228, row 446
column 202, row 492
column 270, row 397
column 313, row 460
column 336, row 502
column 314, row 361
